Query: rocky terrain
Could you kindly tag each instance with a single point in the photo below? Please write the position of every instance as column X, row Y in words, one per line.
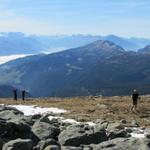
column 49, row 132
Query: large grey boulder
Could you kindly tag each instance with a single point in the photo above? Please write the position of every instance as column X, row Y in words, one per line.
column 77, row 135
column 6, row 108
column 45, row 130
column 10, row 114
column 118, row 133
column 19, row 125
column 36, row 116
column 116, row 130
column 18, row 144
column 123, row 144
column 16, row 128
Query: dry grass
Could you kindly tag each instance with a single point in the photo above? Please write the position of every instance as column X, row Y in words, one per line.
column 90, row 109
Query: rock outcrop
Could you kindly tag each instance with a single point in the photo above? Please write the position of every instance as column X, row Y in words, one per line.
column 19, row 132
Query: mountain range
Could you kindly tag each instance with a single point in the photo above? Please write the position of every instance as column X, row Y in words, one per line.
column 20, row 43
column 99, row 68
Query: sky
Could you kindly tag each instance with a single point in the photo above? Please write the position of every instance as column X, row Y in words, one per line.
column 128, row 18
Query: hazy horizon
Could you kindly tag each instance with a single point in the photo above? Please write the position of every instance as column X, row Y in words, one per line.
column 77, row 34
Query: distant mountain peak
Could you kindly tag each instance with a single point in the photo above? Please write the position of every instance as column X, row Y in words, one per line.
column 146, row 49
column 21, row 43
column 112, row 36
column 105, row 45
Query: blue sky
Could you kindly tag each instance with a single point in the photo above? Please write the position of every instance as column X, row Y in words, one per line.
column 99, row 17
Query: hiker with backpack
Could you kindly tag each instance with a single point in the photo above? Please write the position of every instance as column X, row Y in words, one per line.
column 135, row 97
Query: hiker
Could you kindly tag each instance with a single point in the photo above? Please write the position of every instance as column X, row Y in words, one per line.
column 135, row 97
column 23, row 94
column 15, row 94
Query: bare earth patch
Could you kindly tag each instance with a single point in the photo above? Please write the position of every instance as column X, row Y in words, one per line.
column 90, row 109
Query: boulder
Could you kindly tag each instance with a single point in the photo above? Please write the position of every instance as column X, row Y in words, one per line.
column 118, row 133
column 16, row 128
column 77, row 135
column 14, row 110
column 10, row 114
column 45, row 119
column 19, row 125
column 18, row 144
column 44, row 143
column 123, row 144
column 36, row 116
column 45, row 130
column 115, row 125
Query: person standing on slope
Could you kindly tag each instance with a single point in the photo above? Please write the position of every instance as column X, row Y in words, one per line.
column 15, row 94
column 23, row 94
column 135, row 97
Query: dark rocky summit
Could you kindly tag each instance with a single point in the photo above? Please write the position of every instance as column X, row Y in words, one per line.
column 19, row 132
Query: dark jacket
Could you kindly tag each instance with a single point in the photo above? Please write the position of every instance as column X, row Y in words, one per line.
column 135, row 96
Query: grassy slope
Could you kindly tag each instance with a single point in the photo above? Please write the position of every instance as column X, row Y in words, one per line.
column 90, row 108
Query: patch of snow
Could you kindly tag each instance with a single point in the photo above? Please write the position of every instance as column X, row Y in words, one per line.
column 4, row 59
column 32, row 109
column 137, row 132
column 137, row 135
column 72, row 121
column 91, row 123
column 55, row 117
